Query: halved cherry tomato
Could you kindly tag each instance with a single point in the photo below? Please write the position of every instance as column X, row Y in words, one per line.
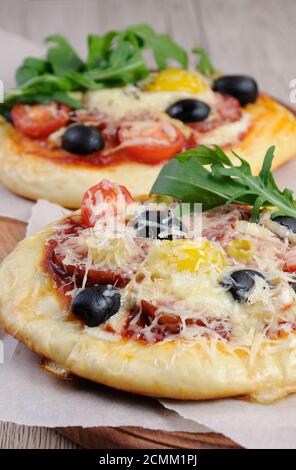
column 157, row 141
column 94, row 276
column 106, row 192
column 38, row 121
column 290, row 261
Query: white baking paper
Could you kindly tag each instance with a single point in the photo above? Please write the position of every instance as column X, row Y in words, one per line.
column 250, row 424
column 28, row 395
column 44, row 212
column 13, row 206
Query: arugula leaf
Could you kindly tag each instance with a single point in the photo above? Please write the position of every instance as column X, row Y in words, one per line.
column 61, row 56
column 30, row 68
column 27, row 97
column 66, row 98
column 187, row 179
column 205, row 66
column 162, row 46
column 130, row 70
column 113, row 59
column 98, row 47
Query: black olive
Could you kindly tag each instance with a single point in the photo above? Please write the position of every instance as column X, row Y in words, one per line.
column 240, row 282
column 8, row 116
column 285, row 221
column 189, row 110
column 158, row 224
column 95, row 305
column 243, row 88
column 82, row 139
column 293, row 285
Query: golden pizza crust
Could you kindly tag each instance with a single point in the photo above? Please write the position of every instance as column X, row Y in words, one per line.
column 31, row 311
column 272, row 124
column 37, row 177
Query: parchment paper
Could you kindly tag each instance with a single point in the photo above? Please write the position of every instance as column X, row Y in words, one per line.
column 28, row 395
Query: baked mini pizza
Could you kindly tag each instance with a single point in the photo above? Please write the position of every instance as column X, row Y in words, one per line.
column 71, row 123
column 149, row 297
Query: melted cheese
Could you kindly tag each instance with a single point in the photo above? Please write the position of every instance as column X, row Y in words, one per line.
column 184, row 278
column 130, row 100
column 228, row 133
column 119, row 102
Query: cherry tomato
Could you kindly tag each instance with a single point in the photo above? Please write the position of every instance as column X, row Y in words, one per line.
column 38, row 121
column 157, row 141
column 290, row 267
column 104, row 192
column 290, row 261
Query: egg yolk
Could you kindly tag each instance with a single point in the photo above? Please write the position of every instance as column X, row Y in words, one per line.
column 241, row 250
column 177, row 80
column 193, row 256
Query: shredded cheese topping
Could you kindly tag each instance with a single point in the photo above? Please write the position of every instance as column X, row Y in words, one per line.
column 181, row 279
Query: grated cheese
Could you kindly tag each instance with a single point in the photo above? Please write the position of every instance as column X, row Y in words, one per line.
column 182, row 278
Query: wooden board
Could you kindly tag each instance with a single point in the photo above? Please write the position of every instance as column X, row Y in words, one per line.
column 11, row 232
column 139, row 438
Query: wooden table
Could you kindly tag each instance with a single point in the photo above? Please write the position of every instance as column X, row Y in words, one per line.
column 256, row 37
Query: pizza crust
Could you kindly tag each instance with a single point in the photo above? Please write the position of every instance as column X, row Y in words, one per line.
column 272, row 124
column 36, row 177
column 31, row 311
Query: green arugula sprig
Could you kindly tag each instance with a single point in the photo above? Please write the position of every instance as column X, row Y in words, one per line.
column 113, row 59
column 206, row 175
column 205, row 66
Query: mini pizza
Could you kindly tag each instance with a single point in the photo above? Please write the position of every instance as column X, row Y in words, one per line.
column 72, row 123
column 147, row 297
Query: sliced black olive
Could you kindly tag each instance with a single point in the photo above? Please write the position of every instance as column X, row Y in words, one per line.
column 243, row 88
column 158, row 224
column 285, row 221
column 240, row 283
column 189, row 110
column 82, row 139
column 95, row 305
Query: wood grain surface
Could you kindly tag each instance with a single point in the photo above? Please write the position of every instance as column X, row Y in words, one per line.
column 139, row 438
column 256, row 37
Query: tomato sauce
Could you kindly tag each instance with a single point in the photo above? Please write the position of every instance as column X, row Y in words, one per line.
column 42, row 148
